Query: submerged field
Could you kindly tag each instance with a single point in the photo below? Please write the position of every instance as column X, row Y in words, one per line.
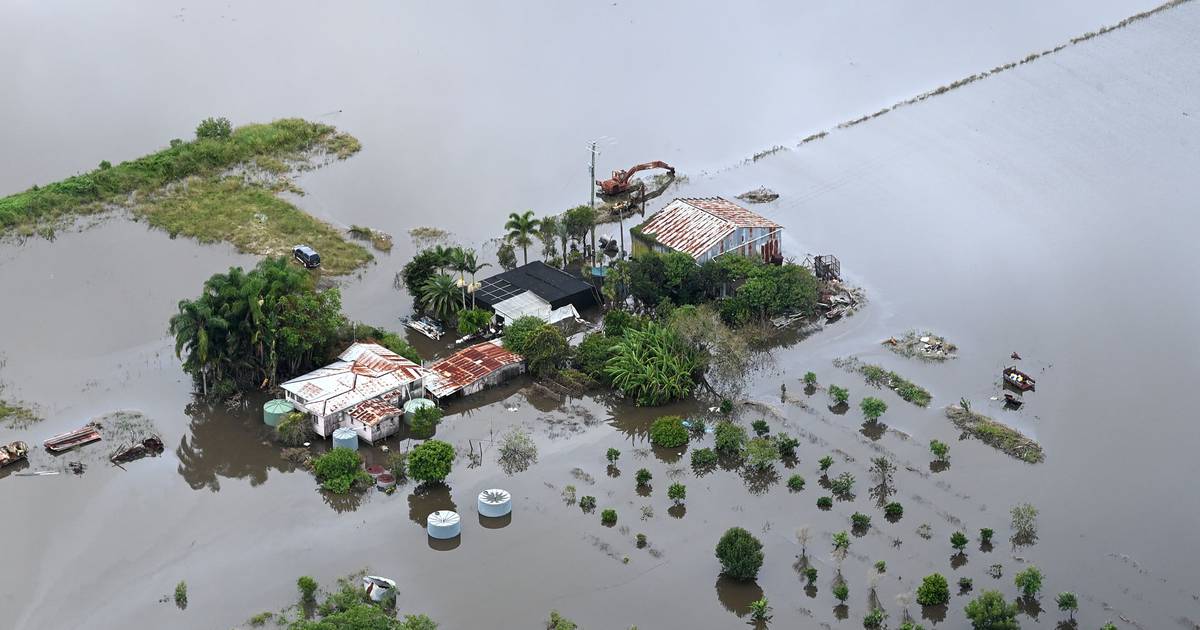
column 1012, row 214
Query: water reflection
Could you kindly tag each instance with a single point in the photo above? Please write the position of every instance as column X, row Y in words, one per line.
column 495, row 522
column 230, row 443
column 958, row 561
column 342, row 503
column 677, row 511
column 935, row 614
column 446, row 544
column 736, row 595
column 426, row 499
column 1031, row 606
column 873, row 430
column 668, row 455
column 839, row 409
column 759, row 481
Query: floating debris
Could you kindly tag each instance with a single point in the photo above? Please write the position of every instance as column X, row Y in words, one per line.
column 149, row 447
column 759, row 195
column 13, row 452
column 922, row 345
column 996, row 435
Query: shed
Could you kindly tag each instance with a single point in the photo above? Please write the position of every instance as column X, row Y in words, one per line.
column 707, row 227
column 555, row 286
column 472, row 369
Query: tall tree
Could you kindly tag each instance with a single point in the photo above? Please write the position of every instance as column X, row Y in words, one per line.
column 472, row 266
column 520, row 228
column 193, row 327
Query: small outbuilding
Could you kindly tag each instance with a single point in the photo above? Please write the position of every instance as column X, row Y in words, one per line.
column 535, row 289
column 707, row 227
column 473, row 369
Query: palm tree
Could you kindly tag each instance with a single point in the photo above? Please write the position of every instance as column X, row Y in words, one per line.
column 438, row 293
column 520, row 227
column 471, row 265
column 193, row 327
column 444, row 257
column 458, row 264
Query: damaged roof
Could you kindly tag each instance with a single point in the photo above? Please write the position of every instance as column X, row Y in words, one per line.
column 372, row 412
column 467, row 366
column 364, row 371
column 693, row 225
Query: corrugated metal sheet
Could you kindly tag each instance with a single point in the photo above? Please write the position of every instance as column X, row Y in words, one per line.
column 467, row 366
column 694, row 225
column 365, row 371
column 372, row 412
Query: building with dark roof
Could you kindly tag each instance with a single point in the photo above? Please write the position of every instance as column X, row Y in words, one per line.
column 535, row 289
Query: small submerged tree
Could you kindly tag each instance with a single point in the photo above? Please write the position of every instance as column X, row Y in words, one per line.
column 933, row 591
column 872, row 408
column 431, row 461
column 740, row 554
column 840, row 395
column 939, row 449
column 1068, row 603
column 990, row 611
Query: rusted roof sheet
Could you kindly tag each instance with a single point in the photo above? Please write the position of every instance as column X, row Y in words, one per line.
column 467, row 366
column 730, row 211
column 372, row 412
column 364, row 371
column 694, row 225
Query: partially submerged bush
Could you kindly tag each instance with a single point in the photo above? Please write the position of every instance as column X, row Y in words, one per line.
column 933, row 591
column 612, row 455
column 740, row 554
column 795, row 483
column 425, row 421
column 824, row 502
column 842, row 485
column 293, row 429
column 730, row 438
column 787, row 445
column 872, row 408
column 704, row 457
column 839, row 394
column 760, row 427
column 308, row 588
column 517, row 451
column 430, row 461
column 677, row 492
column 214, row 129
column 341, row 470
column 860, row 520
column 761, row 453
column 643, row 477
column 558, row 622
column 608, row 516
column 668, row 432
column 893, row 510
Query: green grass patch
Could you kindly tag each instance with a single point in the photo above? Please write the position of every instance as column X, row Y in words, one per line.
column 996, row 435
column 251, row 218
column 878, row 376
column 16, row 417
column 211, row 189
column 381, row 241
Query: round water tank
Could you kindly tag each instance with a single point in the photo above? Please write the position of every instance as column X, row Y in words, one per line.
column 345, row 437
column 274, row 410
column 413, row 405
column 444, row 524
column 375, row 470
column 385, row 481
column 495, row 502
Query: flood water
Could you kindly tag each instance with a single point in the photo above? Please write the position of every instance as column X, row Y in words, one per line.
column 1048, row 210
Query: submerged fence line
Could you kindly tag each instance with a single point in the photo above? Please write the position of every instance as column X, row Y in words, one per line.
column 973, row 78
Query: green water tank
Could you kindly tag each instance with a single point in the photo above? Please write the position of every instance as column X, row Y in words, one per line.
column 413, row 405
column 276, row 409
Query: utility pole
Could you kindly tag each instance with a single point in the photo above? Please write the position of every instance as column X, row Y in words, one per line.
column 592, row 188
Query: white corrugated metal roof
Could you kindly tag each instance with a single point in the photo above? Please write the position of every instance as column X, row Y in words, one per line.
column 364, row 371
column 694, row 225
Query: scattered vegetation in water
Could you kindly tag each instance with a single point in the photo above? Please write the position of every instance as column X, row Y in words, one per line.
column 587, row 503
column 677, row 493
column 872, row 408
column 517, row 451
column 933, row 591
column 893, row 511
column 760, row 610
column 879, row 377
column 643, row 477
column 293, row 429
column 704, row 458
column 991, row 610
column 996, row 435
column 181, row 594
column 340, row 471
column 795, row 483
column 381, row 241
column 668, row 432
column 940, row 449
column 15, row 416
column 1024, row 523
column 559, row 622
column 842, row 486
column 425, row 421
column 608, row 516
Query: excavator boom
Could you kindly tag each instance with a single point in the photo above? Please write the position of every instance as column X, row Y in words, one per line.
column 619, row 182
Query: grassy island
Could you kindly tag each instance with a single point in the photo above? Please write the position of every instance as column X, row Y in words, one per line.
column 995, row 434
column 15, row 416
column 222, row 186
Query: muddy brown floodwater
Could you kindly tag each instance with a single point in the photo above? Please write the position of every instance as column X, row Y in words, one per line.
column 1048, row 210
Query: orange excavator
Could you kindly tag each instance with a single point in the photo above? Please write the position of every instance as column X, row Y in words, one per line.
column 620, row 181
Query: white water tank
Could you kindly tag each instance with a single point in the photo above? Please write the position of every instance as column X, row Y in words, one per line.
column 345, row 437
column 444, row 524
column 495, row 502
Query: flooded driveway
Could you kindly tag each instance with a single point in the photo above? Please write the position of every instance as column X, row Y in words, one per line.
column 1047, row 210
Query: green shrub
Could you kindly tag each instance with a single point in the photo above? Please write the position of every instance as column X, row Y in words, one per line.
column 546, row 350
column 965, row 584
column 726, row 406
column 839, row 394
column 430, row 461
column 473, row 320
column 875, row 619
column 810, row 574
column 668, row 432
column 703, row 458
column 214, row 128
column 558, row 622
column 653, row 365
column 608, row 516
column 841, row 591
column 730, row 438
column 939, row 449
column 810, row 378
column 761, row 453
column 740, row 554
column 933, row 591
column 872, row 408
column 397, row 464
column 760, row 427
column 985, row 535
column 795, row 483
column 677, row 492
column 612, row 455
column 1029, row 581
column 293, row 429
column 893, row 510
column 425, row 421
column 181, row 597
column 990, row 611
column 860, row 520
column 824, row 502
column 587, row 503
column 643, row 476
column 518, row 333
column 593, row 354
column 958, row 540
column 787, row 445
column 881, row 566
column 842, row 485
column 341, row 470
column 825, row 463
column 308, row 588
column 1067, row 602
